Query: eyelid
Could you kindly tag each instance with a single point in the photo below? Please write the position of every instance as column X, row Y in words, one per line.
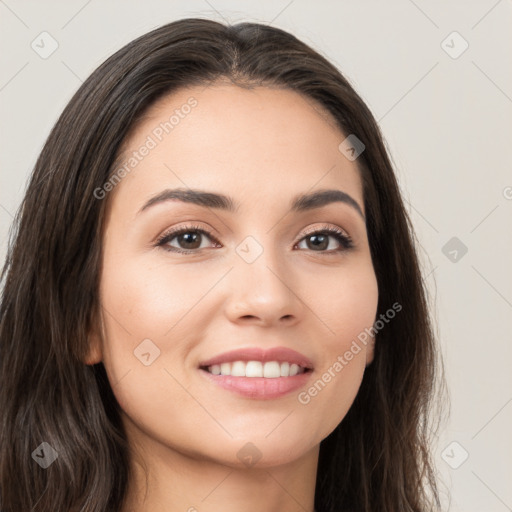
column 324, row 227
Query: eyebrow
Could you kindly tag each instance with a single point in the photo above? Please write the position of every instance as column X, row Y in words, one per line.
column 300, row 203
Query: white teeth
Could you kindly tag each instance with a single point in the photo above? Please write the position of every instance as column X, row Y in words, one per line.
column 254, row 369
column 238, row 369
column 270, row 370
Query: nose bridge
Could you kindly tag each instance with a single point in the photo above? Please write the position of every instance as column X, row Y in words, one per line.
column 258, row 261
column 260, row 280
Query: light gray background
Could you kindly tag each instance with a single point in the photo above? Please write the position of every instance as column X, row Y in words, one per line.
column 447, row 122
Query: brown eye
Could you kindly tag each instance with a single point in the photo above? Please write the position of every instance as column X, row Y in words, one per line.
column 318, row 241
column 188, row 239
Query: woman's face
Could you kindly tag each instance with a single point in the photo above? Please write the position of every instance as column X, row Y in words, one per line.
column 255, row 277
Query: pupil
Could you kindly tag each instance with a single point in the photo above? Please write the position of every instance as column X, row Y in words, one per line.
column 188, row 236
column 319, row 240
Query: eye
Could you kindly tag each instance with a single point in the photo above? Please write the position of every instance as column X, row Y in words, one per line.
column 189, row 240
column 319, row 240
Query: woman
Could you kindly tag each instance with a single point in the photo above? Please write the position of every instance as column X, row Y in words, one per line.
column 212, row 300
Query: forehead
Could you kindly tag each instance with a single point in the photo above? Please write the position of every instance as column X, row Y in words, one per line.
column 262, row 142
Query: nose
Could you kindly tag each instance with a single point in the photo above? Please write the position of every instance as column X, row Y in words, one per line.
column 263, row 292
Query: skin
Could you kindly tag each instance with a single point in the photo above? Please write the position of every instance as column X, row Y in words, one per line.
column 261, row 147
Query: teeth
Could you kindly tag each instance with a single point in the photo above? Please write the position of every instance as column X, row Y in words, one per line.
column 253, row 369
column 238, row 369
column 294, row 369
column 270, row 370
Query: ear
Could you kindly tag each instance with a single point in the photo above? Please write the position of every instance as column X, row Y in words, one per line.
column 370, row 350
column 94, row 354
column 95, row 339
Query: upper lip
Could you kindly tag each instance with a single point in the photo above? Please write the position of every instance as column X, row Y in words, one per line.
column 279, row 354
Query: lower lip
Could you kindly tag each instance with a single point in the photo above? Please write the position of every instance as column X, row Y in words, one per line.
column 260, row 388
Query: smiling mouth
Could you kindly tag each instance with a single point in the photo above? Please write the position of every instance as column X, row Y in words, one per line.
column 269, row 369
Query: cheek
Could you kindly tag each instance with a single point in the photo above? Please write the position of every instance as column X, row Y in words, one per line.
column 351, row 315
column 156, row 301
column 150, row 313
column 346, row 302
column 151, row 297
column 146, row 329
column 349, row 307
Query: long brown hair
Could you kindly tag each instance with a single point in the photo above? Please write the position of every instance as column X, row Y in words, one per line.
column 378, row 457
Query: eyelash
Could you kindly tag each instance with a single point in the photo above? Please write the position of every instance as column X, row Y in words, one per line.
column 344, row 240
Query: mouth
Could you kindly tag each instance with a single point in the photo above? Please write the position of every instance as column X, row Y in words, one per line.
column 255, row 373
